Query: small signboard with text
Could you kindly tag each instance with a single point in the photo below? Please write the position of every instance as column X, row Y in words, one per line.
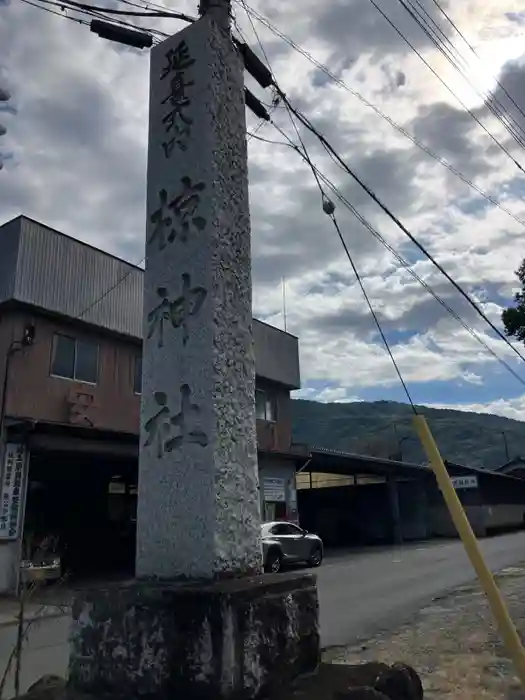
column 464, row 482
column 274, row 490
column 13, row 491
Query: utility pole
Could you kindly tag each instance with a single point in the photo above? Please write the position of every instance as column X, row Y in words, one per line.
column 220, row 10
column 199, row 606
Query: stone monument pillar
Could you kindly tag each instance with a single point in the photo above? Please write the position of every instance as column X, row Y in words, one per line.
column 198, row 502
column 200, row 621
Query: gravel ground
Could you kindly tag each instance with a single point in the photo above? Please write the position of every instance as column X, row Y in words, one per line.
column 453, row 644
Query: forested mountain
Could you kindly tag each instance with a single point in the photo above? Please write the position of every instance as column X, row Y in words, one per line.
column 384, row 429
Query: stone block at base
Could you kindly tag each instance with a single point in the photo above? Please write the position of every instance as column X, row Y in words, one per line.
column 233, row 639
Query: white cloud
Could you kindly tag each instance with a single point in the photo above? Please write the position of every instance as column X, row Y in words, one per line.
column 78, row 140
column 509, row 408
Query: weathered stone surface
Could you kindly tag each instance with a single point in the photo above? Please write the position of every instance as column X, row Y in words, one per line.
column 364, row 674
column 198, row 494
column 47, row 682
column 231, row 639
column 363, row 693
column 400, row 682
column 48, row 687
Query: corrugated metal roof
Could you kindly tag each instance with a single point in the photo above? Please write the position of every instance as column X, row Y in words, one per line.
column 50, row 270
column 61, row 274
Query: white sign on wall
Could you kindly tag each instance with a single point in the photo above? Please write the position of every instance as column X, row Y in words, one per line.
column 274, row 490
column 464, row 482
column 13, row 490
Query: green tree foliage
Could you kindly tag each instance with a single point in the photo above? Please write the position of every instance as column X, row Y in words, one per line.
column 514, row 317
column 384, row 428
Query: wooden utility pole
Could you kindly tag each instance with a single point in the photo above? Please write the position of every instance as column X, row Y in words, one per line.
column 195, row 623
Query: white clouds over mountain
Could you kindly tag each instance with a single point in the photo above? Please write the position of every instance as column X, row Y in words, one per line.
column 75, row 157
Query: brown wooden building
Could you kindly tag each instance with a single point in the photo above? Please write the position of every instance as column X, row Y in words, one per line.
column 71, row 401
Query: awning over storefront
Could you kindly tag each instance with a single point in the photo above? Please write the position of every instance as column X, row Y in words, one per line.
column 62, row 437
column 325, row 461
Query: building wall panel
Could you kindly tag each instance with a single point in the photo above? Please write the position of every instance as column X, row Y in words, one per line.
column 34, row 393
column 65, row 276
column 9, row 243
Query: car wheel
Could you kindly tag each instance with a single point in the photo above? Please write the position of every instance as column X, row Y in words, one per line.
column 316, row 557
column 274, row 562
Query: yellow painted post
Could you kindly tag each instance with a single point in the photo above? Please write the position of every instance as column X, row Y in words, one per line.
column 497, row 604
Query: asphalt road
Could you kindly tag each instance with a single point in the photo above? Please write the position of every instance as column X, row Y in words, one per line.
column 363, row 593
column 360, row 594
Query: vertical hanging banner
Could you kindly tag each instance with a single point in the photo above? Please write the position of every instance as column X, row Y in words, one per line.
column 13, row 490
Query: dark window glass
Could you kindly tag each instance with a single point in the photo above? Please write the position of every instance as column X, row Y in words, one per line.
column 75, row 359
column 293, row 530
column 265, row 406
column 283, row 529
column 63, row 357
column 260, row 405
column 137, row 380
column 86, row 365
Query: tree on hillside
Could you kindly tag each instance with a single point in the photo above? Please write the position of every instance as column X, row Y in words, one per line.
column 514, row 317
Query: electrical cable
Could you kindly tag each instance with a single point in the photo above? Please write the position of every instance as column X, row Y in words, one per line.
column 401, row 260
column 245, row 8
column 371, row 309
column 54, row 12
column 64, row 5
column 251, row 12
column 299, row 49
column 459, row 32
column 129, row 13
column 110, row 289
column 329, row 209
column 447, row 87
column 490, row 100
column 253, row 134
column 305, row 122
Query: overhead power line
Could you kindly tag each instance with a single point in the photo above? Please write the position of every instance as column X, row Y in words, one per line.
column 447, row 87
column 305, row 122
column 443, row 44
column 329, row 209
column 366, row 224
column 108, row 291
column 329, row 148
column 299, row 49
column 54, row 12
column 65, row 5
column 460, row 34
column 130, row 13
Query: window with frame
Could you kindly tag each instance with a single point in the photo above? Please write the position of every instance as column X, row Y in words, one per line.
column 265, row 406
column 137, row 375
column 75, row 359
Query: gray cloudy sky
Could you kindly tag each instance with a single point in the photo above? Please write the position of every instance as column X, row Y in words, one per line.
column 75, row 157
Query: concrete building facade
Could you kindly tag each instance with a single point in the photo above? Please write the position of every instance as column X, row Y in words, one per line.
column 71, row 402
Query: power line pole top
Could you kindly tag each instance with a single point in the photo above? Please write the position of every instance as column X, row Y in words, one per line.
column 219, row 9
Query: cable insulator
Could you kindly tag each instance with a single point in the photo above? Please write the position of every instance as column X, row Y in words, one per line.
column 328, row 206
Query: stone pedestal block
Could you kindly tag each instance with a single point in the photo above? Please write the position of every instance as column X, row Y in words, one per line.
column 239, row 638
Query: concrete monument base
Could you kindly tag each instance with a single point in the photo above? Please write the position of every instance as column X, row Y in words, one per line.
column 239, row 638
